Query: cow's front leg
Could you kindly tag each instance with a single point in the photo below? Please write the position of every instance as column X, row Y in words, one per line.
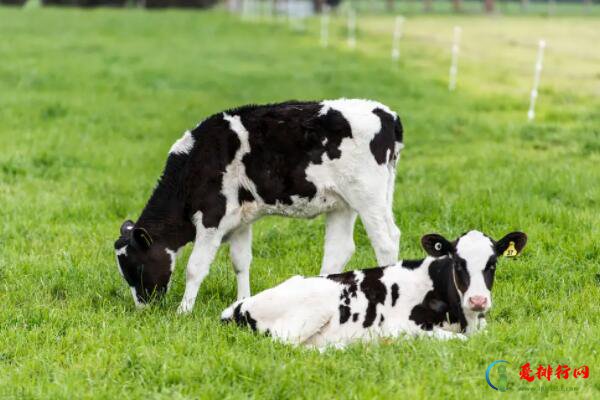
column 441, row 334
column 475, row 324
column 240, row 251
column 205, row 247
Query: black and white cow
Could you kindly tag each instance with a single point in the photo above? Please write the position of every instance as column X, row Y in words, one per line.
column 445, row 295
column 296, row 159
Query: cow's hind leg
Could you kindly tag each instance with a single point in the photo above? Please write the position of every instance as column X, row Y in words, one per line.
column 393, row 230
column 339, row 240
column 240, row 251
column 377, row 222
column 373, row 205
column 205, row 248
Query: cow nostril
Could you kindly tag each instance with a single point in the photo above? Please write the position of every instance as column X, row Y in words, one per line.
column 479, row 301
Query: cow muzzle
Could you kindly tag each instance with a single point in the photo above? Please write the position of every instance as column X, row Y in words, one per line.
column 478, row 303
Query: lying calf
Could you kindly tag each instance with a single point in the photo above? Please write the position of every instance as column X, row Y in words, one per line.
column 447, row 291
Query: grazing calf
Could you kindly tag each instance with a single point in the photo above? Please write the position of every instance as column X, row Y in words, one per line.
column 444, row 295
column 296, row 159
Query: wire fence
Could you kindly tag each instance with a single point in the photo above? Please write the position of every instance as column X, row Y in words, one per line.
column 483, row 51
column 411, row 7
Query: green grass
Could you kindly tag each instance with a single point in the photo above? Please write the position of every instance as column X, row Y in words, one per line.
column 90, row 102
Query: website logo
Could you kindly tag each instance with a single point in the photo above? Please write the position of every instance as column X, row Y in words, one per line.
column 502, row 381
column 496, row 376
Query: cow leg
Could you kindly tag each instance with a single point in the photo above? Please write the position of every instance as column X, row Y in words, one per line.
column 385, row 244
column 393, row 230
column 240, row 251
column 441, row 334
column 339, row 240
column 374, row 208
column 205, row 248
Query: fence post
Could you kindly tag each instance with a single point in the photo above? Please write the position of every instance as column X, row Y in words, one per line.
column 396, row 35
column 351, row 28
column 325, row 26
column 454, row 63
column 536, row 80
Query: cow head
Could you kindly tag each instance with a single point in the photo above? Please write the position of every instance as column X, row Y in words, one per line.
column 145, row 264
column 473, row 259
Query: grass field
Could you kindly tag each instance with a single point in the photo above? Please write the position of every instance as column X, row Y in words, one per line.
column 90, row 102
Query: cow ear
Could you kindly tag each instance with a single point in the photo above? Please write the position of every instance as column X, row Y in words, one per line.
column 141, row 238
column 436, row 245
column 126, row 227
column 514, row 241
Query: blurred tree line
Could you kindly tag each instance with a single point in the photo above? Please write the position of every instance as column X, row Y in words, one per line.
column 390, row 5
column 120, row 3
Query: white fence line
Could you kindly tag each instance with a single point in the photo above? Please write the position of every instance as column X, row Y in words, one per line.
column 396, row 36
column 454, row 63
column 536, row 80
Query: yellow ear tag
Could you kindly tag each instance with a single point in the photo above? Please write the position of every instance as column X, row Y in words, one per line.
column 510, row 250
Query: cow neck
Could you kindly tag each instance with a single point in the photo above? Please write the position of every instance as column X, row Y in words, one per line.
column 441, row 272
column 164, row 216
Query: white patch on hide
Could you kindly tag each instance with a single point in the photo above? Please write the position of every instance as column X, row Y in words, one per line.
column 235, row 174
column 138, row 304
column 476, row 249
column 183, row 145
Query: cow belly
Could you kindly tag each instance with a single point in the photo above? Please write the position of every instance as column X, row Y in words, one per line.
column 302, row 207
column 334, row 334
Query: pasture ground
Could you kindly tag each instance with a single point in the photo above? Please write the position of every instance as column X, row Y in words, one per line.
column 90, row 102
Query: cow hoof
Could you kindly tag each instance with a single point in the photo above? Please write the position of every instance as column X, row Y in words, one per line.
column 184, row 309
